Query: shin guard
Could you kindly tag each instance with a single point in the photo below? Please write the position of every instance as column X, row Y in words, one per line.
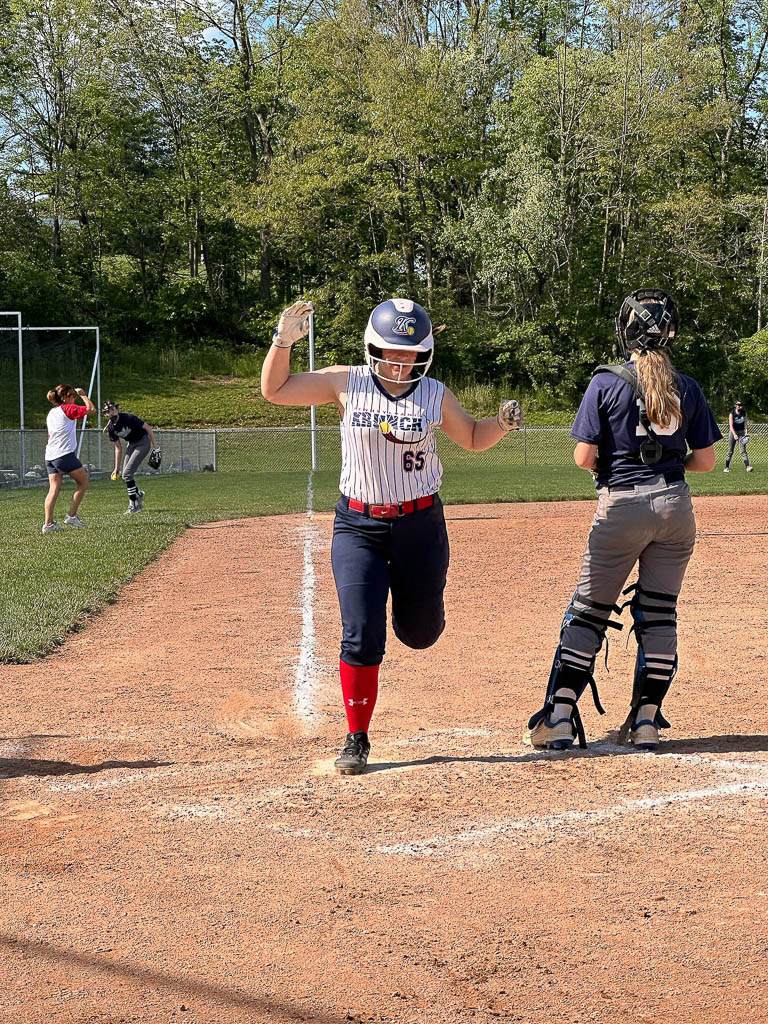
column 573, row 665
column 654, row 668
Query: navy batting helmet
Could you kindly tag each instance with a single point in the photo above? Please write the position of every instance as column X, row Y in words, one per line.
column 402, row 325
column 648, row 318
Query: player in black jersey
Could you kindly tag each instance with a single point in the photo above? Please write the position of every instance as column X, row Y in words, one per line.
column 737, row 434
column 141, row 441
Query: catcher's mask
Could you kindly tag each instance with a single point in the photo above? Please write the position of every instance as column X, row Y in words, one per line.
column 402, row 325
column 648, row 318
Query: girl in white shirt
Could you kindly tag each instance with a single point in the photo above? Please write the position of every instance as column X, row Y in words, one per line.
column 60, row 457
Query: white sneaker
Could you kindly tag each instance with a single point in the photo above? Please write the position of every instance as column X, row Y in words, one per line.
column 644, row 735
column 73, row 521
column 547, row 734
column 750, row 468
column 726, row 470
column 51, row 528
column 131, row 509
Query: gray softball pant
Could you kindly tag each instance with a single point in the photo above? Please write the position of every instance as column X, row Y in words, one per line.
column 134, row 456
column 651, row 524
column 732, row 442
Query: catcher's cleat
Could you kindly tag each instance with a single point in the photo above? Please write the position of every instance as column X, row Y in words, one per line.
column 354, row 754
column 51, row 528
column 644, row 735
column 73, row 521
column 550, row 735
column 132, row 508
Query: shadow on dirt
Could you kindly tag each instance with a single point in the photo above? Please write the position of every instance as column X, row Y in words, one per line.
column 714, row 745
column 536, row 755
column 607, row 747
column 145, row 977
column 18, row 767
column 36, row 736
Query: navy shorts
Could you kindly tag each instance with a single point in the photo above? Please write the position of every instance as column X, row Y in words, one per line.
column 408, row 557
column 64, row 464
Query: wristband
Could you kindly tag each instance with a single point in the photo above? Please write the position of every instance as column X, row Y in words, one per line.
column 276, row 342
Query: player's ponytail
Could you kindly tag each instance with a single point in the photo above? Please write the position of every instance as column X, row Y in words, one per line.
column 62, row 393
column 658, row 384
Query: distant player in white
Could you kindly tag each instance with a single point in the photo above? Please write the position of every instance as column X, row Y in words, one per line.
column 389, row 531
column 60, row 452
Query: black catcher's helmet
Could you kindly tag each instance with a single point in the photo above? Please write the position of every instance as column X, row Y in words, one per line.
column 655, row 322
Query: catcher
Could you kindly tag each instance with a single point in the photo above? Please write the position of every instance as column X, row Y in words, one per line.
column 141, row 442
column 737, row 434
column 634, row 426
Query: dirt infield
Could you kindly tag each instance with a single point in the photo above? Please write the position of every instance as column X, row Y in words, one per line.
column 175, row 847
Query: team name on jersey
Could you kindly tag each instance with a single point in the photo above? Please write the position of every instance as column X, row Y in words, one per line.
column 364, row 418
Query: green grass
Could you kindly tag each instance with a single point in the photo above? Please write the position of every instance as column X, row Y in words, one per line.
column 51, row 583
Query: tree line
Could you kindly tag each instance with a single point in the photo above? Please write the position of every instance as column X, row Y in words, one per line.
column 177, row 172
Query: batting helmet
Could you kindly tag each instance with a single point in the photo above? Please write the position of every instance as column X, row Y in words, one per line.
column 402, row 325
column 648, row 318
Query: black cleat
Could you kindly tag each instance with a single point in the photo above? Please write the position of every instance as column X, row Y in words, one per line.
column 354, row 754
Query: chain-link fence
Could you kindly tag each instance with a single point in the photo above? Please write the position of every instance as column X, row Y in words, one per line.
column 184, row 451
column 285, row 449
column 272, row 449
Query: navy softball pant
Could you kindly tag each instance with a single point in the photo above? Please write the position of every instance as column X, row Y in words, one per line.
column 408, row 557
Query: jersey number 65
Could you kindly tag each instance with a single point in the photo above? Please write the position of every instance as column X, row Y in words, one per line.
column 413, row 460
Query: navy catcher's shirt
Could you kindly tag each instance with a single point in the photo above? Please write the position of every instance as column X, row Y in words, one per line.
column 609, row 416
column 127, row 426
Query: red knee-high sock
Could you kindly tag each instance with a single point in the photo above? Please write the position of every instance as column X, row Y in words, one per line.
column 360, row 687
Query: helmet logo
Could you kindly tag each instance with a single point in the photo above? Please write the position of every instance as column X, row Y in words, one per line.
column 404, row 325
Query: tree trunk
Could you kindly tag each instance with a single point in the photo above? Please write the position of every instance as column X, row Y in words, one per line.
column 265, row 265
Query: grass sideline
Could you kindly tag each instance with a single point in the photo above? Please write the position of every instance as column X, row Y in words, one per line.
column 51, row 583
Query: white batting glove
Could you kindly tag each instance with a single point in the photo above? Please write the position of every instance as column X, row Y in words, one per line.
column 293, row 324
column 510, row 415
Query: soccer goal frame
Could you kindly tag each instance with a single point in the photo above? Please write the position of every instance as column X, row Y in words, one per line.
column 95, row 378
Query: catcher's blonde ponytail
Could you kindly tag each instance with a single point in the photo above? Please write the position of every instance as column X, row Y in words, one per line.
column 657, row 379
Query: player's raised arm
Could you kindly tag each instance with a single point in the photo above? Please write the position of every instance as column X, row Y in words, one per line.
column 89, row 406
column 279, row 385
column 478, row 435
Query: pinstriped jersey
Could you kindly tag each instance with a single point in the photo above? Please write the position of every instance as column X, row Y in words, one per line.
column 388, row 451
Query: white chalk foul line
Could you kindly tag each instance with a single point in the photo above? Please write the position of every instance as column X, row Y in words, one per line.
column 305, row 677
column 568, row 819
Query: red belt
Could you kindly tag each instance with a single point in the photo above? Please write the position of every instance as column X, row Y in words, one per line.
column 394, row 511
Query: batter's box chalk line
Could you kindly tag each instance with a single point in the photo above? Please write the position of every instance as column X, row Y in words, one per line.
column 574, row 822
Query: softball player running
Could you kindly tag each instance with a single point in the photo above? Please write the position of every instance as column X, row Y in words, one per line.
column 389, row 531
column 141, row 442
column 60, row 457
column 634, row 426
column 737, row 434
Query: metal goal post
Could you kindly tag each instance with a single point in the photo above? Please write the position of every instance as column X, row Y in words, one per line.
column 95, row 377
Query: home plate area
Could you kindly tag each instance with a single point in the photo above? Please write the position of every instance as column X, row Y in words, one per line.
column 177, row 847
